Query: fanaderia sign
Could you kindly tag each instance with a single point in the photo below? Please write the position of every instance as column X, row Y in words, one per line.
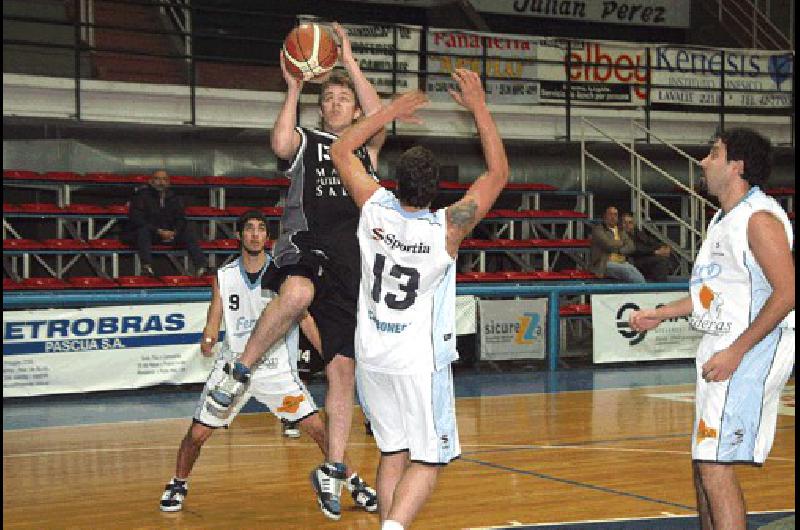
column 752, row 78
column 58, row 351
column 654, row 13
column 509, row 59
column 615, row 341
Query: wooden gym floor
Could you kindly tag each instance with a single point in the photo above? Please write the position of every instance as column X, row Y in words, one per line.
column 596, row 444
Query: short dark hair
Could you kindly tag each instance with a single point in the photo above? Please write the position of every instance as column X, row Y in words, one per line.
column 417, row 177
column 248, row 216
column 751, row 148
column 628, row 214
column 338, row 77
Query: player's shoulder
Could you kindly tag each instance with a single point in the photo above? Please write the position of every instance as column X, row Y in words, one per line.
column 233, row 265
column 318, row 134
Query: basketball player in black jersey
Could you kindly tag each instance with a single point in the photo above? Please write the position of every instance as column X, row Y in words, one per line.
column 316, row 259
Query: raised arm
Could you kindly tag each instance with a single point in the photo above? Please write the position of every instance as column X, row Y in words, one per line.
column 213, row 320
column 351, row 171
column 466, row 213
column 367, row 96
column 284, row 139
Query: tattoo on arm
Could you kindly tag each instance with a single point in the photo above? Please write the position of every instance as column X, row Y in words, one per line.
column 462, row 215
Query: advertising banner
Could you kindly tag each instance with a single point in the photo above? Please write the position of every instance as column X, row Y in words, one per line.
column 508, row 57
column 615, row 341
column 599, row 73
column 652, row 13
column 753, row 78
column 373, row 46
column 58, row 351
column 512, row 329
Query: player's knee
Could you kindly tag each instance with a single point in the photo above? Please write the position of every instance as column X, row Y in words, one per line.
column 341, row 370
column 198, row 434
column 297, row 293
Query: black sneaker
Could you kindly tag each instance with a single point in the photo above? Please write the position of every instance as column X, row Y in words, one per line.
column 327, row 482
column 174, row 493
column 368, row 428
column 364, row 496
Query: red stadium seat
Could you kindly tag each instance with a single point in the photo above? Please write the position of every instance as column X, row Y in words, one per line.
column 107, row 244
column 92, row 282
column 44, row 283
column 187, row 180
column 11, row 208
column 223, row 244
column 11, row 285
column 41, row 208
column 529, row 186
column 780, row 191
column 187, row 281
column 20, row 174
column 61, row 176
column 118, row 209
column 21, row 244
column 222, row 180
column 205, row 211
column 575, row 309
column 64, row 244
column 140, row 282
column 272, row 211
column 238, row 210
column 85, row 209
column 389, row 184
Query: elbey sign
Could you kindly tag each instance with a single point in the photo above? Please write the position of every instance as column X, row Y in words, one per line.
column 660, row 13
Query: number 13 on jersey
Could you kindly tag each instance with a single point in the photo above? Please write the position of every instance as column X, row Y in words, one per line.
column 409, row 287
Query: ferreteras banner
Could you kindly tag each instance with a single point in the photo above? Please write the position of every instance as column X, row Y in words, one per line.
column 509, row 60
column 57, row 351
column 512, row 329
column 753, row 78
column 615, row 341
column 373, row 47
column 653, row 13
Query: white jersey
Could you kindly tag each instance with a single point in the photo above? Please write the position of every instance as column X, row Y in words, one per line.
column 242, row 303
column 406, row 304
column 728, row 287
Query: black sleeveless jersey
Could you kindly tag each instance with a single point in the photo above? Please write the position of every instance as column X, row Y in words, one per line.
column 318, row 210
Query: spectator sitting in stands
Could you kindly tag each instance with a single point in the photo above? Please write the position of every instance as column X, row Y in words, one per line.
column 157, row 215
column 609, row 249
column 650, row 256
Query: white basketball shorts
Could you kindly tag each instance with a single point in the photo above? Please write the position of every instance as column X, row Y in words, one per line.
column 283, row 393
column 414, row 413
column 735, row 419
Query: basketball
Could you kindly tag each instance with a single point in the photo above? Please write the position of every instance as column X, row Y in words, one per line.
column 310, row 52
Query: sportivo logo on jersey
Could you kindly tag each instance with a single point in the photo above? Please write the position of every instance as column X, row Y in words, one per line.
column 394, row 243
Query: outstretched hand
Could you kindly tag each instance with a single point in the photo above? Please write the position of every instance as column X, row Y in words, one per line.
column 345, row 49
column 644, row 320
column 405, row 106
column 470, row 94
column 291, row 81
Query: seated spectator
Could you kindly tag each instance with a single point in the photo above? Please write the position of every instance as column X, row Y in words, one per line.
column 156, row 216
column 610, row 246
column 650, row 255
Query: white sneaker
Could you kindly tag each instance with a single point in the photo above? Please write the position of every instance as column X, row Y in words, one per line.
column 364, row 496
column 290, row 429
column 173, row 496
column 327, row 482
column 225, row 393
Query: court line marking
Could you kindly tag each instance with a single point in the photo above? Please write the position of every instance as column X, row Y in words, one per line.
column 495, row 448
column 578, row 484
column 667, row 515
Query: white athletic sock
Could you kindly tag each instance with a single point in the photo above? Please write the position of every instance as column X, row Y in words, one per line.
column 391, row 525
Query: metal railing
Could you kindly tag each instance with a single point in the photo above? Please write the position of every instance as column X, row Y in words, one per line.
column 694, row 226
column 747, row 17
column 640, row 73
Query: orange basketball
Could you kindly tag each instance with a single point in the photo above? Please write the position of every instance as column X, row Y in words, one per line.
column 309, row 51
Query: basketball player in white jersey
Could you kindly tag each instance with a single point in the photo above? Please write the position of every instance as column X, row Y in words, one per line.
column 238, row 299
column 316, row 256
column 405, row 337
column 742, row 299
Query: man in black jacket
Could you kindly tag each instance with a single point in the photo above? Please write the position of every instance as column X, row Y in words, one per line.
column 650, row 255
column 156, row 216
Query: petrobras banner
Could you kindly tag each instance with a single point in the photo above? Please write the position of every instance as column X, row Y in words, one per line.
column 57, row 351
column 512, row 329
column 373, row 47
column 599, row 73
column 615, row 341
column 753, row 78
column 509, row 60
column 652, row 13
